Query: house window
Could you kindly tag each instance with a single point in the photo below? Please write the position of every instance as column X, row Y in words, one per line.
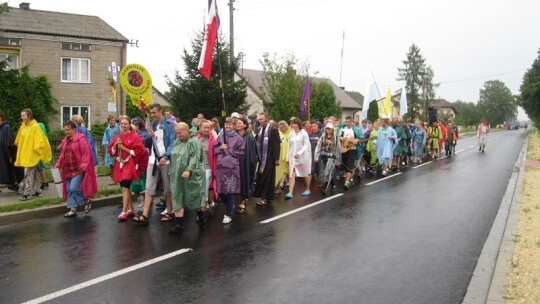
column 69, row 111
column 13, row 42
column 77, row 47
column 12, row 59
column 75, row 70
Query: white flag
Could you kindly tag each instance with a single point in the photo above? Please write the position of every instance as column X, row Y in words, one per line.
column 403, row 103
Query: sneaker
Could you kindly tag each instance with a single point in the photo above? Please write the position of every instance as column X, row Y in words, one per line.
column 288, row 196
column 226, row 220
column 347, row 185
column 130, row 213
column 88, row 206
column 38, row 194
column 164, row 212
column 212, row 205
column 71, row 213
column 306, row 193
column 44, row 186
column 122, row 216
column 25, row 198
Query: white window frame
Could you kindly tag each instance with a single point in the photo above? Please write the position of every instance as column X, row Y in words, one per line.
column 12, row 64
column 75, row 73
column 87, row 122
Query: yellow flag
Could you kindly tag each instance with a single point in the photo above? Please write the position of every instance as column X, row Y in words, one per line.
column 387, row 105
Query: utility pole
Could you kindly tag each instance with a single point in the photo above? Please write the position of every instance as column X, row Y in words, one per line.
column 231, row 30
column 341, row 68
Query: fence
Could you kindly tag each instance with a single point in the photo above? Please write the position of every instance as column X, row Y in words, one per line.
column 55, row 142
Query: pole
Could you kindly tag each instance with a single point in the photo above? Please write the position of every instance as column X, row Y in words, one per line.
column 341, row 67
column 231, row 30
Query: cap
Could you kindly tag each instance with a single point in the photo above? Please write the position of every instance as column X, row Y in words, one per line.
column 329, row 126
column 235, row 114
column 135, row 121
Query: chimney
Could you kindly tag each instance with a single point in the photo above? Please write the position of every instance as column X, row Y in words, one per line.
column 24, row 5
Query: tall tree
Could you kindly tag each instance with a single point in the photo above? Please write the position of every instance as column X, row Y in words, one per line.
column 19, row 90
column 530, row 92
column 496, row 103
column 468, row 113
column 282, row 86
column 192, row 94
column 418, row 79
column 323, row 102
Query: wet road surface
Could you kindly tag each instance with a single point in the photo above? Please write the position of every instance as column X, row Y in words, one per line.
column 411, row 238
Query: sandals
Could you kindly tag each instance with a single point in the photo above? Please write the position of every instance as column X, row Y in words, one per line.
column 141, row 219
column 262, row 202
column 167, row 217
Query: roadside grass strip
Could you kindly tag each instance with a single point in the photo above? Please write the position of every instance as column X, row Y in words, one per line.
column 107, row 277
column 300, row 209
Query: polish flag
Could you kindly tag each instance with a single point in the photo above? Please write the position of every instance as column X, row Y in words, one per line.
column 210, row 36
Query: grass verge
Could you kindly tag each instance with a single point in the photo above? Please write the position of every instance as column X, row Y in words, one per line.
column 40, row 202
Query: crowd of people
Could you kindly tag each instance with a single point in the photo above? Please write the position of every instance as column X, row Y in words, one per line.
column 194, row 166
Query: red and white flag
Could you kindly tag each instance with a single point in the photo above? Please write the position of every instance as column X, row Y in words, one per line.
column 210, row 36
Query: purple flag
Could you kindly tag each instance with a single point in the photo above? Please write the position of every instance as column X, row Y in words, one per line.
column 304, row 103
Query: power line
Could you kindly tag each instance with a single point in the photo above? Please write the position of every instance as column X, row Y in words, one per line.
column 482, row 77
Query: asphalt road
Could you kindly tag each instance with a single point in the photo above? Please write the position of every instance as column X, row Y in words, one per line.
column 412, row 238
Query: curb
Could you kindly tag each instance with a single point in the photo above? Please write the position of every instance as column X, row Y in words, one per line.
column 490, row 277
column 14, row 217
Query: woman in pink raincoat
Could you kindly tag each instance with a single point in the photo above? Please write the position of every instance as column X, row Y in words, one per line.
column 78, row 173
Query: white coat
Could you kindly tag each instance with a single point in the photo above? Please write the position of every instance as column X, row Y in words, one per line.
column 299, row 143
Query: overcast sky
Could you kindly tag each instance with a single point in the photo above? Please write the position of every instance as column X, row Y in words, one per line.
column 465, row 42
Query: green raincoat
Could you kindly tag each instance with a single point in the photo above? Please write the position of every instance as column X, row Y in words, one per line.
column 188, row 156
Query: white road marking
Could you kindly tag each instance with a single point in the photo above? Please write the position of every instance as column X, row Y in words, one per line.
column 299, row 209
column 384, row 178
column 459, row 151
column 429, row 162
column 107, row 277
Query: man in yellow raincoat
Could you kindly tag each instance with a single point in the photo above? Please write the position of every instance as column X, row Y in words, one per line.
column 32, row 147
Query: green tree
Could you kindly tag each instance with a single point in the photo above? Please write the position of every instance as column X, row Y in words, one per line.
column 496, row 103
column 530, row 92
column 468, row 113
column 192, row 94
column 323, row 100
column 282, row 87
column 19, row 90
column 418, row 79
column 373, row 111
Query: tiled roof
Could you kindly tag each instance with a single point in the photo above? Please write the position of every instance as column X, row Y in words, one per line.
column 254, row 78
column 442, row 103
column 57, row 24
column 357, row 96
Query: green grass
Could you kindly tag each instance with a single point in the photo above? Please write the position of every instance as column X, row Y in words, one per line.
column 40, row 202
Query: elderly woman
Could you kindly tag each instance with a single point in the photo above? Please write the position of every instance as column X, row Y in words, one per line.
column 130, row 160
column 77, row 167
column 228, row 147
column 207, row 139
column 248, row 163
column 282, row 171
column 82, row 129
column 187, row 176
column 299, row 157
